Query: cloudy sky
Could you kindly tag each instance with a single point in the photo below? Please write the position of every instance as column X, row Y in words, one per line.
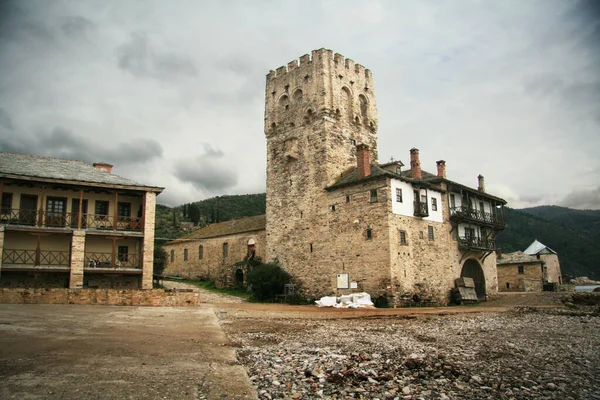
column 172, row 92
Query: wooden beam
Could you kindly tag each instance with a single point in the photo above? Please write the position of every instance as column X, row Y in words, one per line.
column 143, row 222
column 155, row 189
column 79, row 216
column 115, row 209
column 38, row 250
column 113, row 258
column 41, row 216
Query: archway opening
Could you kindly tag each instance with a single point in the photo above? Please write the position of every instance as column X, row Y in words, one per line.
column 239, row 277
column 472, row 269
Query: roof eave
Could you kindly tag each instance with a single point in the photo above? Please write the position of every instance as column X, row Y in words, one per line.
column 155, row 189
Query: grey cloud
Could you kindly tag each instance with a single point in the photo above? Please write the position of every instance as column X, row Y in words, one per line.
column 140, row 58
column 205, row 175
column 209, row 151
column 75, row 26
column 17, row 21
column 5, row 120
column 63, row 143
column 583, row 199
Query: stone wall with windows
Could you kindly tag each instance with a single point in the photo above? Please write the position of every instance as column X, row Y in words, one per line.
column 510, row 276
column 205, row 257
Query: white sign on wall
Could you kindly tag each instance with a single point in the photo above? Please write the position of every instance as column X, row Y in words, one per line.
column 342, row 281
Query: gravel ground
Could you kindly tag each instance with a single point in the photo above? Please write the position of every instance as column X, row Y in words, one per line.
column 205, row 295
column 525, row 353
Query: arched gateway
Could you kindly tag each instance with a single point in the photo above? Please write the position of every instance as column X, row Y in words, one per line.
column 472, row 269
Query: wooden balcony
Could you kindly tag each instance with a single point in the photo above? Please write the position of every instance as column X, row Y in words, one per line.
column 112, row 261
column 475, row 243
column 44, row 258
column 420, row 209
column 466, row 214
column 47, row 219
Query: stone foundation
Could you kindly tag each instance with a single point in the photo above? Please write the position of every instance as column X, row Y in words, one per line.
column 112, row 297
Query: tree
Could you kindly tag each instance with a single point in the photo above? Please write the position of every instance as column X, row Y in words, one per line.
column 266, row 281
column 160, row 260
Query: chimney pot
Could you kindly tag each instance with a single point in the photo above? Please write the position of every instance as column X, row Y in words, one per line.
column 103, row 166
column 441, row 168
column 481, row 182
column 363, row 161
column 415, row 164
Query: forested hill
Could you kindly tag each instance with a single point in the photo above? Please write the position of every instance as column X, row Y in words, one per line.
column 573, row 234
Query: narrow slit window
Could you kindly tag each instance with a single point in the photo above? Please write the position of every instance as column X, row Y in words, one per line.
column 310, row 248
column 369, row 234
column 172, row 255
column 347, row 199
column 399, row 195
column 433, row 204
column 403, row 238
column 185, row 254
column 430, row 232
column 373, row 196
column 200, row 252
column 225, row 250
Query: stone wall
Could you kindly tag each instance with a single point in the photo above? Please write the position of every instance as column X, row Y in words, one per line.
column 40, row 279
column 148, row 243
column 154, row 297
column 530, row 285
column 552, row 267
column 509, row 273
column 212, row 263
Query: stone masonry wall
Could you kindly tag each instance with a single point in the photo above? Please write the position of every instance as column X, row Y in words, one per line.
column 77, row 259
column 155, row 297
column 212, row 262
column 509, row 273
column 148, row 243
column 552, row 267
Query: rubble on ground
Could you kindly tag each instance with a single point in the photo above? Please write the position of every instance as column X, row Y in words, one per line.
column 529, row 353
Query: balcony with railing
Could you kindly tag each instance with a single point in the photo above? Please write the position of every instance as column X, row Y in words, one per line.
column 420, row 209
column 475, row 243
column 467, row 214
column 49, row 219
column 97, row 261
column 35, row 258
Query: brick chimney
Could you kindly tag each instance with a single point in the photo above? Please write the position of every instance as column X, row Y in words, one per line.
column 481, row 183
column 415, row 164
column 103, row 166
column 441, row 168
column 363, row 161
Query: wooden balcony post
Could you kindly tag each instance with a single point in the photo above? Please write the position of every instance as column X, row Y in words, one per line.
column 113, row 256
column 38, row 250
column 80, row 209
column 115, row 209
column 41, row 216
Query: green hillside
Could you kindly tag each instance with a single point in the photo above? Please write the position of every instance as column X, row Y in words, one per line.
column 574, row 234
column 577, row 249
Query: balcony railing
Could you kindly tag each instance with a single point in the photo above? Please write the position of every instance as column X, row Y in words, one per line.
column 35, row 257
column 104, row 260
column 421, row 209
column 51, row 219
column 475, row 243
column 477, row 216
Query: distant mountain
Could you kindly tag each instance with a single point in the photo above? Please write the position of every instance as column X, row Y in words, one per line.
column 568, row 232
column 573, row 234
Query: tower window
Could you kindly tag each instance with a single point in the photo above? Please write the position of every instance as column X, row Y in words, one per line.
column 310, row 247
column 399, row 195
column 185, row 254
column 403, row 238
column 333, row 207
column 347, row 199
column 433, row 204
column 369, row 234
column 430, row 232
column 373, row 196
column 200, row 252
column 521, row 269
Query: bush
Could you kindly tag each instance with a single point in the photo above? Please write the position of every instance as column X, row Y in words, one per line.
column 266, row 281
column 160, row 260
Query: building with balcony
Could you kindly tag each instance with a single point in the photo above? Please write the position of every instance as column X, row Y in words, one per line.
column 67, row 224
column 338, row 220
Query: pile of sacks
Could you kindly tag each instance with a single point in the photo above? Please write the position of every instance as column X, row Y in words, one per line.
column 354, row 300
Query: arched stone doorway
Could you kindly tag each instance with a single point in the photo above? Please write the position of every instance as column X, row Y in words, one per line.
column 472, row 269
column 239, row 277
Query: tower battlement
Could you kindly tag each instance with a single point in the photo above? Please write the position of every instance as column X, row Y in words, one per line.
column 316, row 87
column 339, row 61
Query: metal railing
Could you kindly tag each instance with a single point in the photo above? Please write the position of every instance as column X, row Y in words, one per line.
column 469, row 214
column 52, row 219
column 475, row 243
column 104, row 260
column 35, row 257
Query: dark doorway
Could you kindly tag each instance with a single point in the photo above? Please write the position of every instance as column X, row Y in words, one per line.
column 75, row 213
column 472, row 269
column 239, row 277
column 27, row 209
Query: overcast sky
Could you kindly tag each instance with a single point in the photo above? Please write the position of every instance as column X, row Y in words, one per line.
column 172, row 92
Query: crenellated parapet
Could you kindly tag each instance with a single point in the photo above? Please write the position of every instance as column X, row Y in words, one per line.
column 322, row 85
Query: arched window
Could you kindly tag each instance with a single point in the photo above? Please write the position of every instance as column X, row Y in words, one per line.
column 298, row 96
column 225, row 249
column 363, row 107
column 347, row 102
column 284, row 102
column 200, row 252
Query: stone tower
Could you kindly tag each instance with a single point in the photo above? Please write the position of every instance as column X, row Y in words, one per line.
column 317, row 111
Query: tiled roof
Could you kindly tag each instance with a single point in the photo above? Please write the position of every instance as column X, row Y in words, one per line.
column 518, row 257
column 256, row 223
column 31, row 166
column 351, row 178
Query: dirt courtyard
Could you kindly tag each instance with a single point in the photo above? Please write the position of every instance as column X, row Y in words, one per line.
column 103, row 352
